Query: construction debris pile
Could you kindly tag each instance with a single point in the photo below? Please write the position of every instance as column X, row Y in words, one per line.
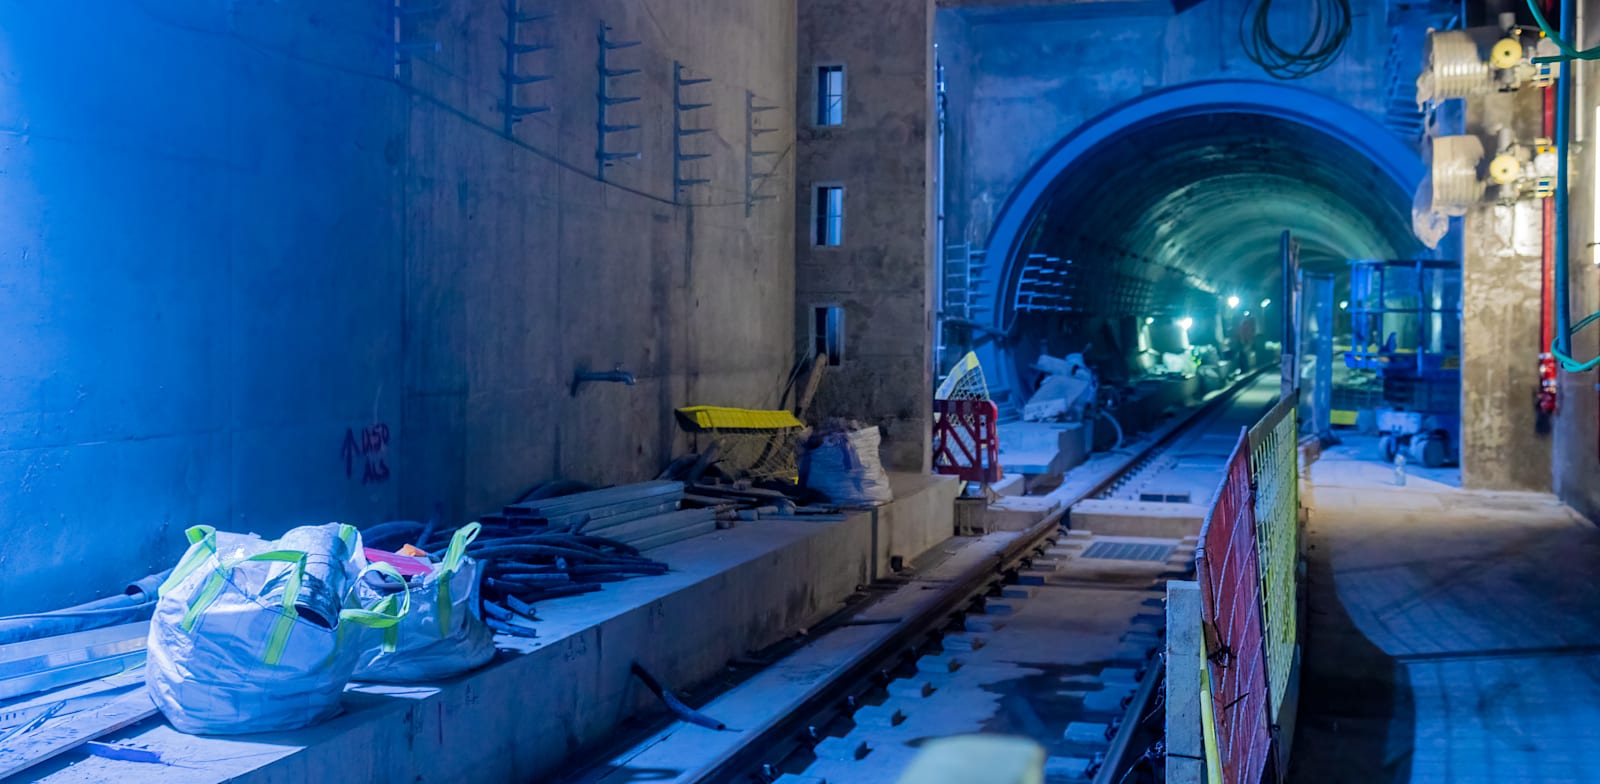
column 544, row 548
column 423, row 601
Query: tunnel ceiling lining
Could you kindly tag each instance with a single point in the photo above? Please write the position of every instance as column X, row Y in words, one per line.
column 1210, row 195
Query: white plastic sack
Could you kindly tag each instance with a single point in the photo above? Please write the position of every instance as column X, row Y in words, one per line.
column 846, row 468
column 252, row 635
column 443, row 635
column 1177, row 363
column 1068, row 386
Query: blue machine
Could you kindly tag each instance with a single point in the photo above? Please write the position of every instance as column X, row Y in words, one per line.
column 1406, row 325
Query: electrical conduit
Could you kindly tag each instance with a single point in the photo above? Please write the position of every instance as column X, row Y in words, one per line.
column 1563, row 313
column 1547, row 399
column 1561, row 345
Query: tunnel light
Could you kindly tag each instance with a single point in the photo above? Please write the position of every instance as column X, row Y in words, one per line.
column 1266, row 303
column 1149, row 320
column 1344, row 304
column 1233, row 302
column 1186, row 322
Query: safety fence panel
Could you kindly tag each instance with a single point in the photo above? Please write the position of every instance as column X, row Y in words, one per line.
column 966, row 441
column 1275, row 469
column 1228, row 571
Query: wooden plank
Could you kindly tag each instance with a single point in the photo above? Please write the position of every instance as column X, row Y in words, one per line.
column 1185, row 748
column 808, row 388
column 95, row 692
column 64, row 735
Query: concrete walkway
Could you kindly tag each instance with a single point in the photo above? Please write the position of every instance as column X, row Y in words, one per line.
column 1453, row 636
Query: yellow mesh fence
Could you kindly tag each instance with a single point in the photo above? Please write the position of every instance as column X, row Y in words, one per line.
column 964, row 382
column 1275, row 468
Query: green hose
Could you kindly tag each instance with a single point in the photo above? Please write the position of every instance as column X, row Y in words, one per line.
column 1567, row 362
column 1567, row 50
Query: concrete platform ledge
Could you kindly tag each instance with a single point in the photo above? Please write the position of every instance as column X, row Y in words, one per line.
column 544, row 700
column 1109, row 517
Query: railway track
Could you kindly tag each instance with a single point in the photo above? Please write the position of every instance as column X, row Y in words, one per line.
column 1051, row 633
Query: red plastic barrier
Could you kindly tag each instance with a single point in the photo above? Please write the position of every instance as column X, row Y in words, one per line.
column 1228, row 570
column 966, row 441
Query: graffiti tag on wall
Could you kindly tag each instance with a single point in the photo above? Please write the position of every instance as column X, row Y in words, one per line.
column 370, row 449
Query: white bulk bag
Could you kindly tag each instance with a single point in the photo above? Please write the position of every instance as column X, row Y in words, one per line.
column 252, row 635
column 845, row 467
column 443, row 635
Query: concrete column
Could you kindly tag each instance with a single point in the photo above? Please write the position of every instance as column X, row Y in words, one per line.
column 1501, row 447
column 1185, row 742
column 883, row 272
column 1577, row 421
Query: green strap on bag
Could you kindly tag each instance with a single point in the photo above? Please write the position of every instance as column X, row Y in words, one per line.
column 453, row 559
column 278, row 638
column 194, row 559
column 384, row 615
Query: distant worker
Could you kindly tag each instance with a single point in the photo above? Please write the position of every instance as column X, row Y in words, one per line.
column 1244, row 341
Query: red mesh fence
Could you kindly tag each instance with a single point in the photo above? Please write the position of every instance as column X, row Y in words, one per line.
column 965, row 440
column 1230, row 595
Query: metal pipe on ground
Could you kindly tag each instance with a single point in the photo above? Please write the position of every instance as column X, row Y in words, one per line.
column 136, row 603
column 597, row 498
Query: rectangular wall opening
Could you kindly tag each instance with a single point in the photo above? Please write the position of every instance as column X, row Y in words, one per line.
column 827, row 333
column 830, row 95
column 827, row 210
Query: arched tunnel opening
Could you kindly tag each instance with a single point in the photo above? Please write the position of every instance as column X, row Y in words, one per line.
column 1149, row 233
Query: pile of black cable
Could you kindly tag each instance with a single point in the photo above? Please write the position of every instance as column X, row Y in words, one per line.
column 1330, row 25
column 525, row 563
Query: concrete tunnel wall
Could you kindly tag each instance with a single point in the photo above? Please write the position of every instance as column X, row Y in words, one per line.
column 255, row 278
column 1022, row 79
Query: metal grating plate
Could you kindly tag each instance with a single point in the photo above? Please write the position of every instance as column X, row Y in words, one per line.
column 1128, row 551
column 1164, row 498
